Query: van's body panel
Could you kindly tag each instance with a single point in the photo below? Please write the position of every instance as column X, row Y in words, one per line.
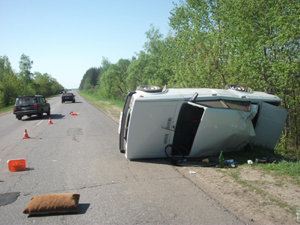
column 228, row 122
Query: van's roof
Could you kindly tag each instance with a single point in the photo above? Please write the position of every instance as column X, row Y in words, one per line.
column 207, row 94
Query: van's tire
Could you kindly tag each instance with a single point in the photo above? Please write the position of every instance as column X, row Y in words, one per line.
column 48, row 113
column 19, row 117
column 235, row 87
column 149, row 88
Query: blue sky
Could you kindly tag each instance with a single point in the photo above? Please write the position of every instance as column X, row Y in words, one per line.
column 65, row 38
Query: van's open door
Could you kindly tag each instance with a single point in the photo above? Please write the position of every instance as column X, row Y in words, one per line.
column 124, row 119
column 222, row 130
column 269, row 125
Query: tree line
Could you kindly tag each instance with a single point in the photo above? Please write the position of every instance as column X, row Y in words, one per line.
column 13, row 84
column 212, row 43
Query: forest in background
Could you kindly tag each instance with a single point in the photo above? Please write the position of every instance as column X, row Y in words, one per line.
column 212, row 43
column 14, row 84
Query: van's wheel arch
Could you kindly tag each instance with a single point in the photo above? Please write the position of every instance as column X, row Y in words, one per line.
column 149, row 88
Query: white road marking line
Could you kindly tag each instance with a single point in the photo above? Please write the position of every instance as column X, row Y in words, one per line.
column 39, row 122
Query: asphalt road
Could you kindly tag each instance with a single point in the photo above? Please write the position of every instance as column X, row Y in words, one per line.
column 79, row 154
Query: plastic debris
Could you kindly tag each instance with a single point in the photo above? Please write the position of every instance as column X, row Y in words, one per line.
column 230, row 163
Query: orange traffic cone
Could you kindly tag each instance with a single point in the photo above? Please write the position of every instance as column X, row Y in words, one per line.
column 25, row 135
column 50, row 122
column 73, row 114
column 16, row 165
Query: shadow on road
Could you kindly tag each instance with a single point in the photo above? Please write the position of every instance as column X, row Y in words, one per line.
column 82, row 208
column 45, row 117
column 153, row 161
column 186, row 162
column 56, row 116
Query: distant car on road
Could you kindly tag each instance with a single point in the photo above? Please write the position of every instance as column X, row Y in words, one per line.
column 67, row 97
column 31, row 105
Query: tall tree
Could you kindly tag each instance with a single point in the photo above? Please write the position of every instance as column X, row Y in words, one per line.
column 25, row 66
column 9, row 83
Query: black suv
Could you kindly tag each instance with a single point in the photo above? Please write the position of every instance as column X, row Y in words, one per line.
column 67, row 97
column 31, row 105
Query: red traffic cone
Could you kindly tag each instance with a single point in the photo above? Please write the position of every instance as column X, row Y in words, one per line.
column 25, row 135
column 50, row 122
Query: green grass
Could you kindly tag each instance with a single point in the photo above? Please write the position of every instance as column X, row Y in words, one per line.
column 6, row 109
column 285, row 168
column 94, row 98
column 106, row 105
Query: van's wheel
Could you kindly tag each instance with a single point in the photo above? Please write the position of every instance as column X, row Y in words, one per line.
column 149, row 88
column 48, row 113
column 19, row 117
column 235, row 87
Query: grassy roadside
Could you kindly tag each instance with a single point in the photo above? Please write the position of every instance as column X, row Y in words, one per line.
column 110, row 107
column 6, row 110
column 281, row 167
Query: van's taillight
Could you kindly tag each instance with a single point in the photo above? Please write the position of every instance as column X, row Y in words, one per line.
column 15, row 107
column 35, row 106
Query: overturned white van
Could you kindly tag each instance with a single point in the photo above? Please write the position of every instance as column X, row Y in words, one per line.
column 197, row 122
